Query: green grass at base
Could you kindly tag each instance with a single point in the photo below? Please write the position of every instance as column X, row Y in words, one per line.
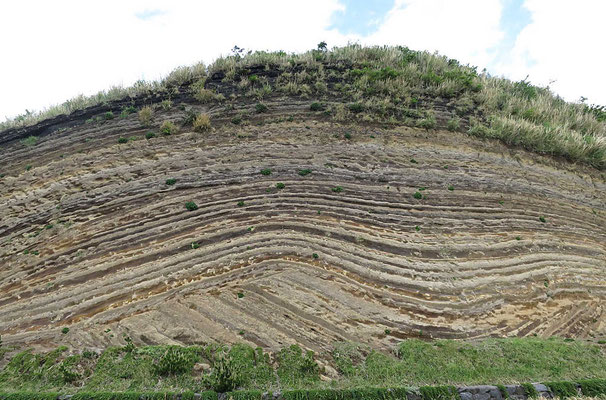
column 413, row 362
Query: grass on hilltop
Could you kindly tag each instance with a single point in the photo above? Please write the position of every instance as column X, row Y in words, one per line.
column 390, row 85
column 413, row 363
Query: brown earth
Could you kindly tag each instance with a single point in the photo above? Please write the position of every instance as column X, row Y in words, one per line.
column 115, row 252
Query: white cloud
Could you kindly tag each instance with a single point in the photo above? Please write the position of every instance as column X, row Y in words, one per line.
column 564, row 42
column 463, row 29
column 56, row 50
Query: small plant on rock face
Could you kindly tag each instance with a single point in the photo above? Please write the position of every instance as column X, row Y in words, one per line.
column 260, row 108
column 418, row 195
column 225, row 375
column 146, row 115
column 451, row 188
column 347, row 135
column 201, row 123
column 150, row 135
column 122, row 140
column 168, row 128
column 356, row 108
column 315, row 255
column 266, row 171
column 171, row 181
column 191, row 206
column 337, row 189
column 174, row 361
column 108, row 115
column 453, row 124
column 280, row 186
column 542, row 219
column 30, row 141
column 316, row 106
column 240, row 203
column 304, row 172
column 65, row 330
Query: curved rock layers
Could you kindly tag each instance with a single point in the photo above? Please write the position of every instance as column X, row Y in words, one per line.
column 94, row 239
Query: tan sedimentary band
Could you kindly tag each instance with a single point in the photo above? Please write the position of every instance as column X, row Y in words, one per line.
column 119, row 254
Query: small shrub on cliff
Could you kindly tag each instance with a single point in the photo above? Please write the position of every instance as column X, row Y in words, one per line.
column 145, row 116
column 266, row 171
column 122, row 140
column 280, row 186
column 316, row 106
column 171, row 181
column 30, row 141
column 174, row 361
column 191, row 206
column 453, row 124
column 168, row 128
column 260, row 108
column 204, row 95
column 150, row 135
column 201, row 123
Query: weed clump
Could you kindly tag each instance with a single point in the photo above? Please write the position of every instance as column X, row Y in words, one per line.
column 201, row 123
column 168, row 128
column 174, row 361
column 191, row 206
column 146, row 115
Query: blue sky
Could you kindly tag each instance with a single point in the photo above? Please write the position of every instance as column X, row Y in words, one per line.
column 70, row 47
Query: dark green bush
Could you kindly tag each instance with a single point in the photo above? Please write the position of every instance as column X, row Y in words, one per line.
column 593, row 387
column 356, row 108
column 304, row 172
column 266, row 171
column 439, row 393
column 175, row 361
column 280, row 186
column 417, row 195
column 122, row 140
column 316, row 106
column 150, row 135
column 562, row 389
column 191, row 206
column 171, row 181
column 260, row 108
column 246, row 395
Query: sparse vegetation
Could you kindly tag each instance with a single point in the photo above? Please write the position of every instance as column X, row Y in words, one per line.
column 150, row 135
column 304, row 172
column 202, row 123
column 260, row 108
column 517, row 113
column 191, row 206
column 280, row 186
column 30, row 141
column 168, row 128
column 171, row 181
column 122, row 140
column 337, row 189
column 145, row 116
column 418, row 195
column 266, row 171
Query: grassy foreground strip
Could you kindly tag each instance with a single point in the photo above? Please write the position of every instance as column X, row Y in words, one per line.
column 240, row 367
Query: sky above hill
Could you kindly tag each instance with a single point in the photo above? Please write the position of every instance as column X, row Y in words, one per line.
column 55, row 50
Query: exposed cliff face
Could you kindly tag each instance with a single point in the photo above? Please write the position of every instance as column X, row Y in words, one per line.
column 419, row 233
